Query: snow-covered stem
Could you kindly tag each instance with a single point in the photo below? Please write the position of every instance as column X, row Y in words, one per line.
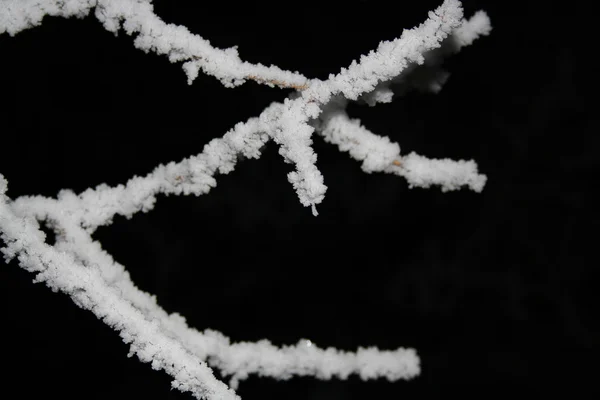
column 78, row 266
column 153, row 34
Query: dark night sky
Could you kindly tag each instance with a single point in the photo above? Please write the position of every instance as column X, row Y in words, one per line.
column 494, row 290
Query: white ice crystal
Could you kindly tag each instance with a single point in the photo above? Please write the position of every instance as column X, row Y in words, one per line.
column 78, row 266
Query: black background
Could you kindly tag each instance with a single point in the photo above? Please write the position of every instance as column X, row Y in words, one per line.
column 496, row 291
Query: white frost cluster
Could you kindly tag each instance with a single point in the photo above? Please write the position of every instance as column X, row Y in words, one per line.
column 78, row 266
column 3, row 185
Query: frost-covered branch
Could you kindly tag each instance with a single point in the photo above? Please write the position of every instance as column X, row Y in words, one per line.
column 288, row 124
column 78, row 266
column 137, row 17
column 378, row 154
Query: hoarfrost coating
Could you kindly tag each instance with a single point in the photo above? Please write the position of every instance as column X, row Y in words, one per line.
column 78, row 266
